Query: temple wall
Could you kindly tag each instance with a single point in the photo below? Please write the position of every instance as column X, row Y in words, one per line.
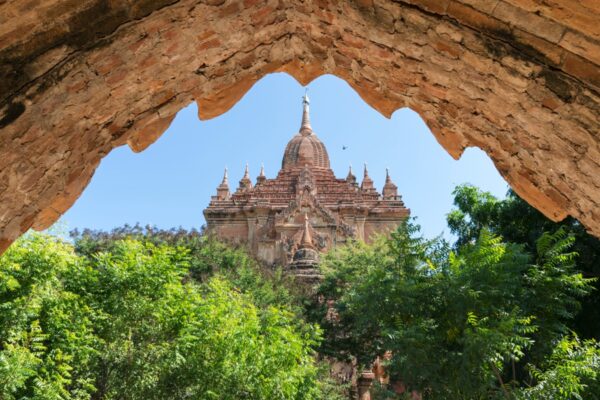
column 234, row 232
column 242, row 230
column 267, row 252
column 374, row 227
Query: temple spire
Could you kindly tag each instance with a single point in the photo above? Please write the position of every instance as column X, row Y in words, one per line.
column 245, row 182
column 223, row 188
column 306, row 258
column 305, row 128
column 390, row 190
column 306, row 237
column 225, row 178
column 261, row 176
column 351, row 178
column 367, row 183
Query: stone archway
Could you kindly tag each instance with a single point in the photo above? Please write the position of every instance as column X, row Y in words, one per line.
column 518, row 78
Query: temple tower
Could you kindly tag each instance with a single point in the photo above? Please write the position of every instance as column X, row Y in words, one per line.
column 305, row 209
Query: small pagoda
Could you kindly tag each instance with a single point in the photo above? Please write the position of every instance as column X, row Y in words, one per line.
column 305, row 210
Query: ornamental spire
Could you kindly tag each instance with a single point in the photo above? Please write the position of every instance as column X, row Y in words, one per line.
column 306, row 237
column 350, row 172
column 351, row 178
column 225, row 181
column 305, row 128
column 245, row 182
column 367, row 183
column 223, row 188
column 261, row 177
column 390, row 190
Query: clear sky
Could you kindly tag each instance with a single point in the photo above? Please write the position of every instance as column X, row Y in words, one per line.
column 170, row 183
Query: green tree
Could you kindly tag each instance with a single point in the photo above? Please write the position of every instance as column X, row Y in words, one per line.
column 460, row 324
column 517, row 222
column 45, row 330
column 129, row 323
column 206, row 257
column 571, row 372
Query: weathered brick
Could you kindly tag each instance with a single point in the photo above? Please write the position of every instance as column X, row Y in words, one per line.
column 529, row 22
column 579, row 44
column 533, row 47
column 448, row 48
column 436, row 6
column 582, row 69
column 116, row 76
column 578, row 15
column 552, row 103
column 109, row 64
column 476, row 19
column 485, row 6
column 209, row 44
column 445, row 29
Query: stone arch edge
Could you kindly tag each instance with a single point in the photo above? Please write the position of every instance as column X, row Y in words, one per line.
column 545, row 143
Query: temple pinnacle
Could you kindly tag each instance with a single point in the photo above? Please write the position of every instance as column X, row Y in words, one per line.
column 306, row 237
column 223, row 188
column 305, row 128
column 367, row 183
column 390, row 190
column 225, row 178
column 245, row 182
column 351, row 178
column 261, row 176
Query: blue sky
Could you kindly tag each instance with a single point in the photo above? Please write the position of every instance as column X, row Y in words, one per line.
column 170, row 183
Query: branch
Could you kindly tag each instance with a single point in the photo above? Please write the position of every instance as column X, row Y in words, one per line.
column 497, row 373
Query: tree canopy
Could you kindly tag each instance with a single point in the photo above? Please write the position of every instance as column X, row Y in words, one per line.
column 131, row 323
column 517, row 222
column 479, row 322
column 143, row 313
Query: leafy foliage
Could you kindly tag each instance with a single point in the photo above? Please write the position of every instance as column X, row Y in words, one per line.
column 144, row 313
column 129, row 323
column 573, row 369
column 517, row 222
column 206, row 258
column 459, row 325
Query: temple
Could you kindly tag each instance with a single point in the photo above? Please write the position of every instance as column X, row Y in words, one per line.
column 305, row 210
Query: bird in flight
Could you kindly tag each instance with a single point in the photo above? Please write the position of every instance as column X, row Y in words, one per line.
column 344, row 147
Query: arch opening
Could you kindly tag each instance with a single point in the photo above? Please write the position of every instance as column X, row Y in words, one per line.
column 172, row 181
